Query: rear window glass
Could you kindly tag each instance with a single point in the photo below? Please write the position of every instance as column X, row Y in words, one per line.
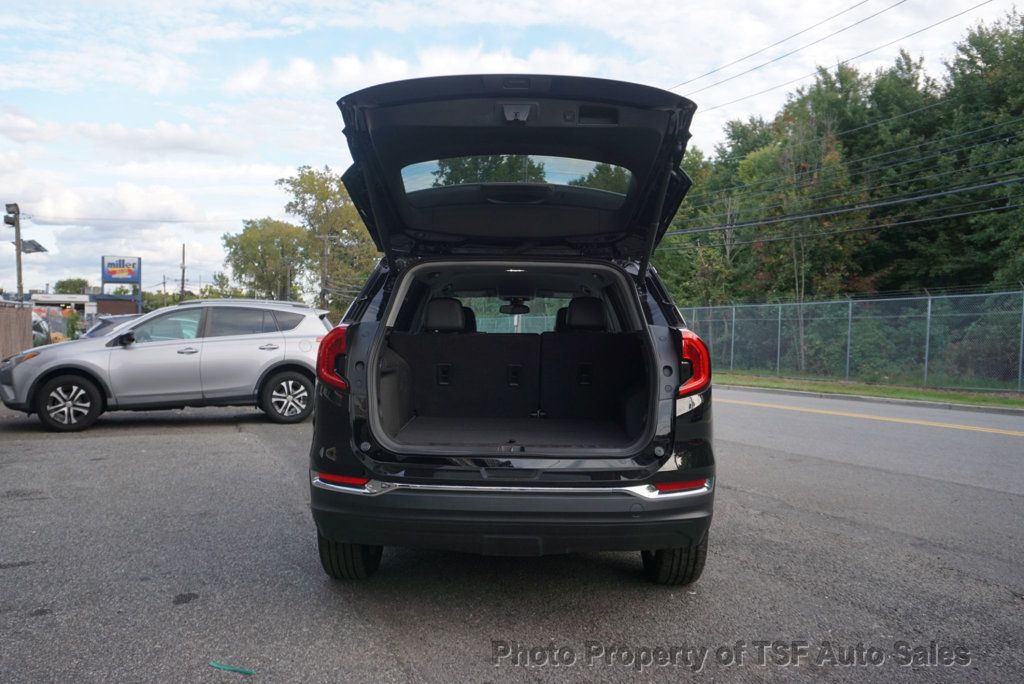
column 543, row 312
column 516, row 168
column 288, row 320
column 230, row 321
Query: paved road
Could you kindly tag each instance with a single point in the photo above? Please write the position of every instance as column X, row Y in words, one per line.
column 156, row 543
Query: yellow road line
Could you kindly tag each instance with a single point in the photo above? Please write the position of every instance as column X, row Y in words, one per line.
column 867, row 416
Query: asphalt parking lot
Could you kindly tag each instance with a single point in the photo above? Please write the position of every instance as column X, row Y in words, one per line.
column 154, row 544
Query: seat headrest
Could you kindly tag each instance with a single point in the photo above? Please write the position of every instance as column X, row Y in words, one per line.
column 560, row 319
column 470, row 319
column 585, row 313
column 444, row 315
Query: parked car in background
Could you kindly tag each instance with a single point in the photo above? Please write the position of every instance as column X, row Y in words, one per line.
column 580, row 422
column 104, row 324
column 217, row 352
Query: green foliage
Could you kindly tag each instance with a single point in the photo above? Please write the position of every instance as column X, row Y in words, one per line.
column 321, row 202
column 269, row 257
column 605, row 177
column 72, row 322
column 281, row 260
column 831, row 146
column 71, row 286
column 490, row 168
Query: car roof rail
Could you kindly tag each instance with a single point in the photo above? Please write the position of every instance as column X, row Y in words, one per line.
column 243, row 300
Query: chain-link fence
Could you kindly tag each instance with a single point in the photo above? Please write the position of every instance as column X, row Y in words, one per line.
column 515, row 324
column 971, row 341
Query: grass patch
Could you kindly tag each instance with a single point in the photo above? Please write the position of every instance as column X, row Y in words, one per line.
column 1011, row 400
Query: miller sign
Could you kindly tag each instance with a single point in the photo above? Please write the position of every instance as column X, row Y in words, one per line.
column 117, row 269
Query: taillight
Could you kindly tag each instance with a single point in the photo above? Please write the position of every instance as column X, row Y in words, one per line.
column 696, row 353
column 682, row 486
column 346, row 480
column 330, row 355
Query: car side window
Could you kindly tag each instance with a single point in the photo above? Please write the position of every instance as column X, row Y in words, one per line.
column 288, row 320
column 226, row 321
column 175, row 325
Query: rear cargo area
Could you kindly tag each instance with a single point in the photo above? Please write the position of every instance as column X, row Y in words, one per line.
column 582, row 389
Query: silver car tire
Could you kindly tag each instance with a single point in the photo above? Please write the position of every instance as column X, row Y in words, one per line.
column 68, row 403
column 287, row 397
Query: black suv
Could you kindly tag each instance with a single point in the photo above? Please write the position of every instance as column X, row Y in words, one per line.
column 514, row 379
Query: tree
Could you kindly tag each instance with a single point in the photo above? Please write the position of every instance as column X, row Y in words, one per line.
column 491, row 168
column 339, row 249
column 269, row 257
column 221, row 287
column 71, row 286
column 605, row 177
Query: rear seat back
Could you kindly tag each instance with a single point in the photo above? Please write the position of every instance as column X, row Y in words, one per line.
column 473, row 374
column 588, row 374
column 582, row 372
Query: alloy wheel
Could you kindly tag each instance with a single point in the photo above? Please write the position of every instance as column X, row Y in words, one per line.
column 67, row 404
column 289, row 398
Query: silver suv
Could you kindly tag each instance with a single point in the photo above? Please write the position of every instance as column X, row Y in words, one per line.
column 199, row 353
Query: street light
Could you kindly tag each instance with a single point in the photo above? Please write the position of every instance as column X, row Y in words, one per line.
column 12, row 217
column 30, row 247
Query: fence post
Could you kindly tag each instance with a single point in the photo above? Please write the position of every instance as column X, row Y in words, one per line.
column 778, row 343
column 927, row 339
column 732, row 338
column 1020, row 351
column 849, row 335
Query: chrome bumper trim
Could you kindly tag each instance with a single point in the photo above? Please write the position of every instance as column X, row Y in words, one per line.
column 378, row 487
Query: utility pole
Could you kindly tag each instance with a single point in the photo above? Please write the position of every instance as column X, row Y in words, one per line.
column 182, row 271
column 325, row 257
column 164, row 302
column 13, row 218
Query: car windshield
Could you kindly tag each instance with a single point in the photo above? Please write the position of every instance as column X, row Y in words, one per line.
column 516, row 168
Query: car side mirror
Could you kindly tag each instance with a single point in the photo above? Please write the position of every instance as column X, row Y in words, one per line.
column 124, row 339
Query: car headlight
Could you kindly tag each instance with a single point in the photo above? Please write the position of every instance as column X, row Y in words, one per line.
column 22, row 357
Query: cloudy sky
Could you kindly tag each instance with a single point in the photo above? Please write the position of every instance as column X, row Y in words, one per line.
column 131, row 128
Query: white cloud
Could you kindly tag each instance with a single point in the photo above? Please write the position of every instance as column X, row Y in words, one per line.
column 76, row 68
column 23, row 128
column 250, row 80
column 163, row 137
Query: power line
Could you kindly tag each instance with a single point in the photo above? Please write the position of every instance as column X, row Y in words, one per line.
column 845, row 210
column 679, row 246
column 886, row 153
column 840, row 134
column 858, row 229
column 768, row 47
column 784, row 178
column 37, row 219
column 862, row 172
column 900, row 179
column 793, row 52
column 881, row 226
column 850, row 59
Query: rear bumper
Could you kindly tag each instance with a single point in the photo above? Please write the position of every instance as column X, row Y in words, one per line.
column 511, row 521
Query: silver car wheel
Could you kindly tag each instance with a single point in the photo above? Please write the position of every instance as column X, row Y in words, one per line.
column 66, row 404
column 289, row 398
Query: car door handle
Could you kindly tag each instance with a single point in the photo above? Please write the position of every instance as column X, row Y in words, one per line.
column 188, row 350
column 269, row 347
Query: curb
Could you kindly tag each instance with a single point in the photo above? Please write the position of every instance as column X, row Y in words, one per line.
column 1002, row 410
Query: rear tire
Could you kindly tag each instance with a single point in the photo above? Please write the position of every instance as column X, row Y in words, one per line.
column 68, row 403
column 343, row 561
column 287, row 397
column 682, row 565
